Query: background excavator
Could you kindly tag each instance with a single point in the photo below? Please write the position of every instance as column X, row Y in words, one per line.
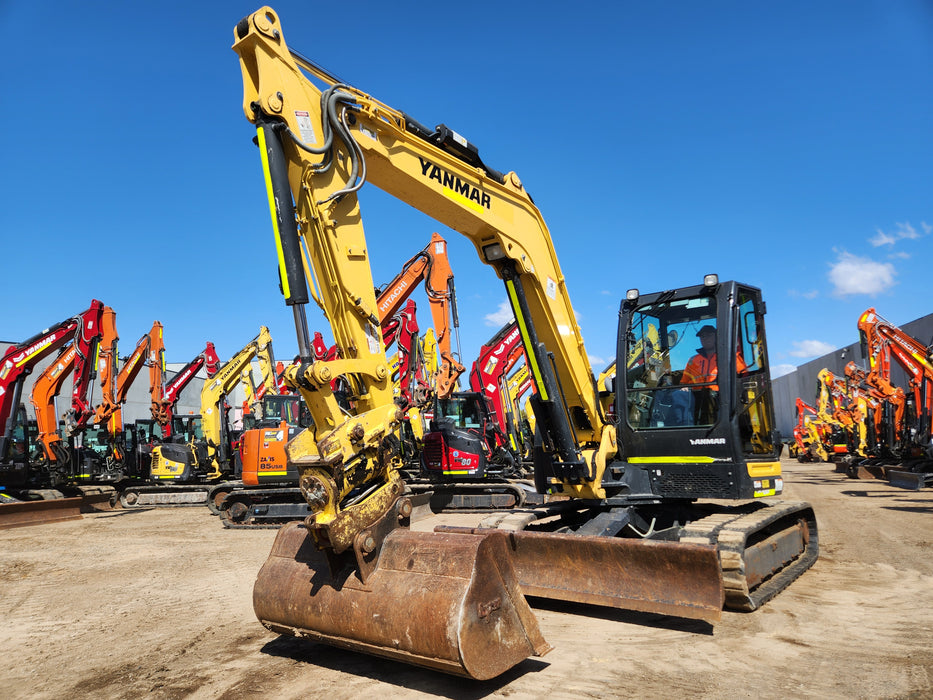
column 81, row 359
column 910, row 464
column 25, row 472
column 812, row 437
column 269, row 495
column 185, row 468
column 473, row 449
column 634, row 533
column 118, row 447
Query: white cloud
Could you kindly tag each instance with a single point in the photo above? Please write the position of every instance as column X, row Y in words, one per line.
column 902, row 231
column 811, row 294
column 881, row 238
column 810, row 348
column 851, row 274
column 500, row 316
column 598, row 363
column 781, row 370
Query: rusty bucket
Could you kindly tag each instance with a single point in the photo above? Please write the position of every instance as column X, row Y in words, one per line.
column 448, row 602
column 670, row 578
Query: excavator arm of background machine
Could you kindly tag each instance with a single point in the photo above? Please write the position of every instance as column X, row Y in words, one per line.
column 172, row 390
column 885, row 340
column 215, row 390
column 77, row 359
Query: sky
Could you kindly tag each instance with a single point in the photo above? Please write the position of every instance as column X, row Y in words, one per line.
column 786, row 145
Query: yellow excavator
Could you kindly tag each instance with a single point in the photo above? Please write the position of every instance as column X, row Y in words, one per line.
column 185, row 470
column 627, row 526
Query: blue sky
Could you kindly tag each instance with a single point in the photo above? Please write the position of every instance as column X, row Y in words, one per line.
column 787, row 145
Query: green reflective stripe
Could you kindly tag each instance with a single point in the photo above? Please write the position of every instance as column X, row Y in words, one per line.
column 523, row 329
column 275, row 221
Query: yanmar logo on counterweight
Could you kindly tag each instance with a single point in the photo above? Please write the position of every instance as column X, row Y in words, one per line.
column 454, row 187
column 708, row 441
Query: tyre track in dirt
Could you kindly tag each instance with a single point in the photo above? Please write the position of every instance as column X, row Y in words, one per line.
column 158, row 603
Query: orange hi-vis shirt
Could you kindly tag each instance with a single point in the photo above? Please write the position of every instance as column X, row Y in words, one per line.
column 702, row 369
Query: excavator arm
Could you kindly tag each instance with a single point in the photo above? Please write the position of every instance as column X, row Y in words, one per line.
column 165, row 408
column 78, row 359
column 885, row 340
column 431, row 266
column 19, row 361
column 219, row 386
column 319, row 144
column 490, row 375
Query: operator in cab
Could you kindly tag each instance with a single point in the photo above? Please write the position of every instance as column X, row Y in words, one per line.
column 702, row 369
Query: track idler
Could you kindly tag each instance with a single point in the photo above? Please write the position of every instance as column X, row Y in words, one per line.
column 449, row 602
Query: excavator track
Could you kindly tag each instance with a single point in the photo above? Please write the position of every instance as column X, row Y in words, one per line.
column 763, row 548
column 172, row 496
column 474, row 496
column 263, row 509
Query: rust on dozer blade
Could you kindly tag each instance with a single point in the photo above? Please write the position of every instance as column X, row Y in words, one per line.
column 682, row 580
column 53, row 510
column 448, row 602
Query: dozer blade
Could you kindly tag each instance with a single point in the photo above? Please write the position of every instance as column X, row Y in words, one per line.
column 909, row 480
column 22, row 513
column 683, row 580
column 448, row 602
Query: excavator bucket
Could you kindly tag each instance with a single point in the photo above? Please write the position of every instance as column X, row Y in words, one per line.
column 448, row 602
column 670, row 578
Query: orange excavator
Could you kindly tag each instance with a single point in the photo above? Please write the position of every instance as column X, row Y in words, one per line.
column 80, row 358
column 883, row 341
column 119, row 448
column 812, row 437
column 641, row 514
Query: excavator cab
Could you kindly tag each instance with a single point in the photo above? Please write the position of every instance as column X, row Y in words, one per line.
column 18, row 445
column 461, row 439
column 178, row 459
column 696, row 394
column 262, row 449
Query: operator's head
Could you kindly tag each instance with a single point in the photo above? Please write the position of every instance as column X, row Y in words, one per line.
column 707, row 336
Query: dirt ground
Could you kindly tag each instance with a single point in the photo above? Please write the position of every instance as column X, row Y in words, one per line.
column 158, row 602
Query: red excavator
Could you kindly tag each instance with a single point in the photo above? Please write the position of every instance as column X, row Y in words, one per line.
column 25, row 472
column 472, row 453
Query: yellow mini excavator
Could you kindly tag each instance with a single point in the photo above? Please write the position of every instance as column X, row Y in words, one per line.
column 628, row 525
